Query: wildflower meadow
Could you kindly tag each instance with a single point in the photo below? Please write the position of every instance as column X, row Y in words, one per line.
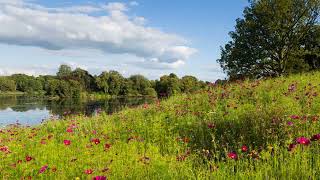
column 263, row 129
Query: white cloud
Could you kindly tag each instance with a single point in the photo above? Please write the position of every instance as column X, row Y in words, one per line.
column 28, row 24
column 29, row 70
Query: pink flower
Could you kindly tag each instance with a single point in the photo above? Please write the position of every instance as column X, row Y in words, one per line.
column 295, row 117
column 69, row 130
column 233, row 155
column 43, row 169
column 315, row 137
column 244, row 148
column 28, row 158
column 107, row 146
column 67, row 142
column 303, row 140
column 292, row 87
column 5, row 149
column 96, row 141
column 88, row 171
column 99, row 178
column 290, row 123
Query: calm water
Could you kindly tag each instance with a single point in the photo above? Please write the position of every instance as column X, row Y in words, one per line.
column 30, row 111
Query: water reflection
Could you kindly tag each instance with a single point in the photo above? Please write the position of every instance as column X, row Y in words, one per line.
column 31, row 110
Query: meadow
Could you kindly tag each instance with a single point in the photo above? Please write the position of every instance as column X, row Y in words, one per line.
column 263, row 129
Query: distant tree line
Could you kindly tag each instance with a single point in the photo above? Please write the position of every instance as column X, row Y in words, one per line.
column 72, row 83
column 275, row 37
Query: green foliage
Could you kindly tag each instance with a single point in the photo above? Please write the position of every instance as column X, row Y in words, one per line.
column 85, row 79
column 7, row 84
column 72, row 83
column 168, row 85
column 189, row 84
column 140, row 84
column 275, row 37
column 150, row 92
column 64, row 71
column 29, row 84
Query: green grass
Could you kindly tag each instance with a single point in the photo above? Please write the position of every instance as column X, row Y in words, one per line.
column 184, row 137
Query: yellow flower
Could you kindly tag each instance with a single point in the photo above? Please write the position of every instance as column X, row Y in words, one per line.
column 77, row 178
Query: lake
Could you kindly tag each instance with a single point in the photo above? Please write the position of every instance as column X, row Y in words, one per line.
column 31, row 110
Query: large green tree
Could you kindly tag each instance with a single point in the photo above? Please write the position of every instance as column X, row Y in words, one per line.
column 64, row 71
column 271, row 39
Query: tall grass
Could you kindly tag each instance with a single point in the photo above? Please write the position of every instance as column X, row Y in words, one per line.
column 235, row 131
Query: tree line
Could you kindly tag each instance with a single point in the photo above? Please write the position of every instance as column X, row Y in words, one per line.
column 72, row 83
column 274, row 38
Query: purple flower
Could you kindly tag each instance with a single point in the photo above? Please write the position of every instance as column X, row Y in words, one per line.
column 290, row 123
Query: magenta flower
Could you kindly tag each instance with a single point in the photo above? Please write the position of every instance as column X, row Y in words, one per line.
column 28, row 158
column 233, row 155
column 43, row 169
column 303, row 140
column 291, row 147
column 69, row 130
column 99, row 178
column 290, row 123
column 295, row 117
column 244, row 148
column 67, row 142
column 315, row 137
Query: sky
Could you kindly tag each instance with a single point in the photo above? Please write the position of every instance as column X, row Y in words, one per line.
column 147, row 37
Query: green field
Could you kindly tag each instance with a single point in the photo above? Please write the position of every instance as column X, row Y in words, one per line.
column 244, row 130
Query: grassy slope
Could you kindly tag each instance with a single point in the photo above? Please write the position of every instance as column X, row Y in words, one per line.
column 185, row 137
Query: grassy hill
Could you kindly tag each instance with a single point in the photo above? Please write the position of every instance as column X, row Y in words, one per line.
column 261, row 129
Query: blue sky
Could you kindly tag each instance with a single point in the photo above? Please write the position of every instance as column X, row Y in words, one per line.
column 145, row 37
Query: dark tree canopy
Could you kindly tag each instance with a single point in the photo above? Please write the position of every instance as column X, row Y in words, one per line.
column 274, row 37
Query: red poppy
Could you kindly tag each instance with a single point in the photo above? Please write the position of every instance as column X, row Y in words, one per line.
column 28, row 158
column 43, row 169
column 96, row 141
column 67, row 142
column 291, row 147
column 107, row 146
column 88, row 171
column 303, row 140
column 244, row 148
column 99, row 178
column 233, row 155
column 315, row 137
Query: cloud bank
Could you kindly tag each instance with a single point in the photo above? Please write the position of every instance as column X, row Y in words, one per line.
column 26, row 23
